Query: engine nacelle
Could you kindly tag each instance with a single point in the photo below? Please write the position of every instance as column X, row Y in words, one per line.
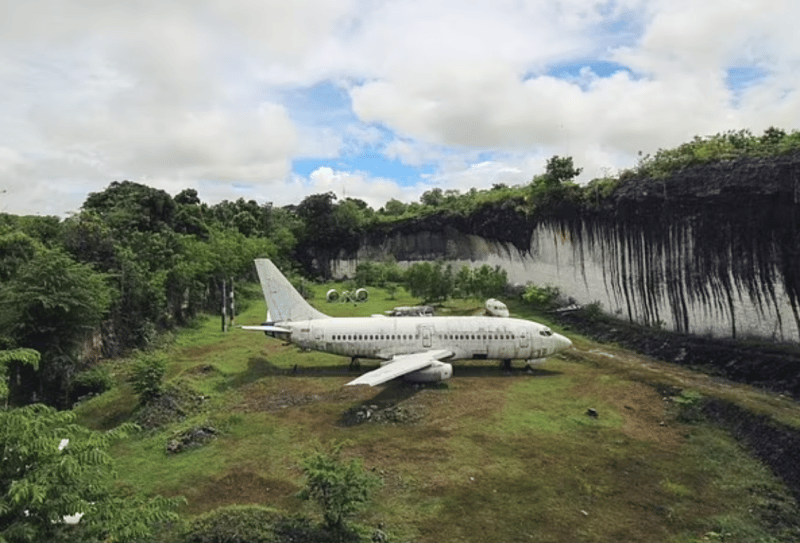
column 332, row 295
column 362, row 295
column 438, row 371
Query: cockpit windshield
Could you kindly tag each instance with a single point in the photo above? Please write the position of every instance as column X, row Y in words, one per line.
column 546, row 332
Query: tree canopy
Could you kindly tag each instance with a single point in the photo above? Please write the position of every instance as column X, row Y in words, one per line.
column 53, row 469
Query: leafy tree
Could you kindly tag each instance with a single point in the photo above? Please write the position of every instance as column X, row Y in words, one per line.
column 53, row 468
column 187, row 197
column 433, row 197
column 553, row 186
column 542, row 298
column 16, row 248
column 430, row 281
column 51, row 305
column 128, row 206
column 483, row 282
column 560, row 170
column 340, row 488
column 394, row 208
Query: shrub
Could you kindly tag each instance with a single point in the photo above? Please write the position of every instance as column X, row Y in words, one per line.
column 543, row 298
column 148, row 376
column 234, row 524
column 339, row 488
column 95, row 380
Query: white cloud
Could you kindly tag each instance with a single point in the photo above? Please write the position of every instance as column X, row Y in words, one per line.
column 182, row 93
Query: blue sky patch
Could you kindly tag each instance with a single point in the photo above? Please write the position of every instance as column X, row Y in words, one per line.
column 572, row 70
column 741, row 77
column 373, row 164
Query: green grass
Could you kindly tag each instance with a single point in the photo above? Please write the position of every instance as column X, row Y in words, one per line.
column 493, row 457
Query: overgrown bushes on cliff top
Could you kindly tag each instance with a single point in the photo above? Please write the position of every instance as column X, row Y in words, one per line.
column 722, row 146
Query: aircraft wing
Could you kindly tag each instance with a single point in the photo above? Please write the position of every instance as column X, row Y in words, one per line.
column 400, row 365
column 267, row 328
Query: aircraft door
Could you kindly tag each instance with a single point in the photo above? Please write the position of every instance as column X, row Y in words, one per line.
column 305, row 336
column 426, row 336
column 523, row 338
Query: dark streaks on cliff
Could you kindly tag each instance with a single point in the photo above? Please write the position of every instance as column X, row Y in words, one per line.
column 707, row 234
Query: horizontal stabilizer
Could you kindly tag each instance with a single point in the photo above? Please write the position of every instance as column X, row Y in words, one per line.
column 268, row 328
column 401, row 365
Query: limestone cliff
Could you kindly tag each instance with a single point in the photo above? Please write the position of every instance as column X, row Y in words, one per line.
column 712, row 249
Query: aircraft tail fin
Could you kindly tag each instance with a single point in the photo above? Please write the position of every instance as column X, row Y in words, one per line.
column 284, row 303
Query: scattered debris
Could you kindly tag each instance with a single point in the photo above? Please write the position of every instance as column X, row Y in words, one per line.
column 193, row 437
column 174, row 403
column 395, row 414
column 592, row 412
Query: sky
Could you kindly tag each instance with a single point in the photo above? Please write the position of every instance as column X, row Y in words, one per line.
column 372, row 99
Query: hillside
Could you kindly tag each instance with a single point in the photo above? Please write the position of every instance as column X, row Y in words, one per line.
column 486, row 456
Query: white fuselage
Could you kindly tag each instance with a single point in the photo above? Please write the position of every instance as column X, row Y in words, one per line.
column 467, row 337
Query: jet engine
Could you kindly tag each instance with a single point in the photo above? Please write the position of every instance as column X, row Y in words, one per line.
column 362, row 295
column 438, row 371
column 332, row 295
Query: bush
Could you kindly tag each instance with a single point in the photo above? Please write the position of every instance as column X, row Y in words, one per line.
column 234, row 524
column 339, row 488
column 95, row 380
column 148, row 376
column 543, row 298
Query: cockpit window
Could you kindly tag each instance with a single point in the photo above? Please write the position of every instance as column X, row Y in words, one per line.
column 546, row 332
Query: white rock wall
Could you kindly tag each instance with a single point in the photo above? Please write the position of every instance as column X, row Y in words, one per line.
column 585, row 276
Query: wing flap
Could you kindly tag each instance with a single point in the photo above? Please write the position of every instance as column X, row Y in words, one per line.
column 399, row 366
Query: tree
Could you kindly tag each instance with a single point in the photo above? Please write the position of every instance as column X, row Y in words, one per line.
column 53, row 468
column 130, row 206
column 483, row 282
column 394, row 208
column 339, row 488
column 51, row 305
column 552, row 186
column 430, row 281
column 16, row 248
column 433, row 197
column 561, row 170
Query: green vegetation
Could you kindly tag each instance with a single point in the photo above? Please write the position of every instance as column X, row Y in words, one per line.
column 53, row 468
column 15, row 357
column 136, row 262
column 339, row 488
column 541, row 298
column 724, row 146
column 436, row 282
column 148, row 376
column 490, row 456
column 137, row 265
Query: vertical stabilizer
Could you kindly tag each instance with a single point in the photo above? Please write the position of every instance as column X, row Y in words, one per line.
column 284, row 303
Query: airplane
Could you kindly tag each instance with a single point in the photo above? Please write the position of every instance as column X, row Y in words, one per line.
column 419, row 349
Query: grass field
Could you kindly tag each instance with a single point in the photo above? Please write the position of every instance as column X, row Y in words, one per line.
column 487, row 456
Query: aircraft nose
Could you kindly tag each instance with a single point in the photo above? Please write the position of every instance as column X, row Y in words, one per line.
column 562, row 342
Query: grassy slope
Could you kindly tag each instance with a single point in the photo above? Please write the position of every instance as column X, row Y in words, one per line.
column 492, row 457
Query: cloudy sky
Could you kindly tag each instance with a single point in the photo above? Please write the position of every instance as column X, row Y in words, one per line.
column 373, row 99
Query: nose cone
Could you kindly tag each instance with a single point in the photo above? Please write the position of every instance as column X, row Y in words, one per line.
column 562, row 342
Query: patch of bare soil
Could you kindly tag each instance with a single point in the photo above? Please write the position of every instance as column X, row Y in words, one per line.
column 289, row 393
column 238, row 487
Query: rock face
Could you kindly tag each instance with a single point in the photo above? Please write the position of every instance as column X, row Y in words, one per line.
column 713, row 249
